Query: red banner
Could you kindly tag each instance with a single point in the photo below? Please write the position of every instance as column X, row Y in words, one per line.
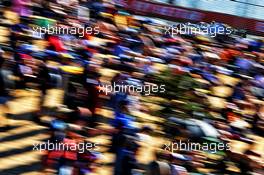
column 183, row 14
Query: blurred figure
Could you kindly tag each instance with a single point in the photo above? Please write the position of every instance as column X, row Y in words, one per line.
column 125, row 159
column 4, row 96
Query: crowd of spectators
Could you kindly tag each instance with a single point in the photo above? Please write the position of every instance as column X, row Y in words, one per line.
column 90, row 35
